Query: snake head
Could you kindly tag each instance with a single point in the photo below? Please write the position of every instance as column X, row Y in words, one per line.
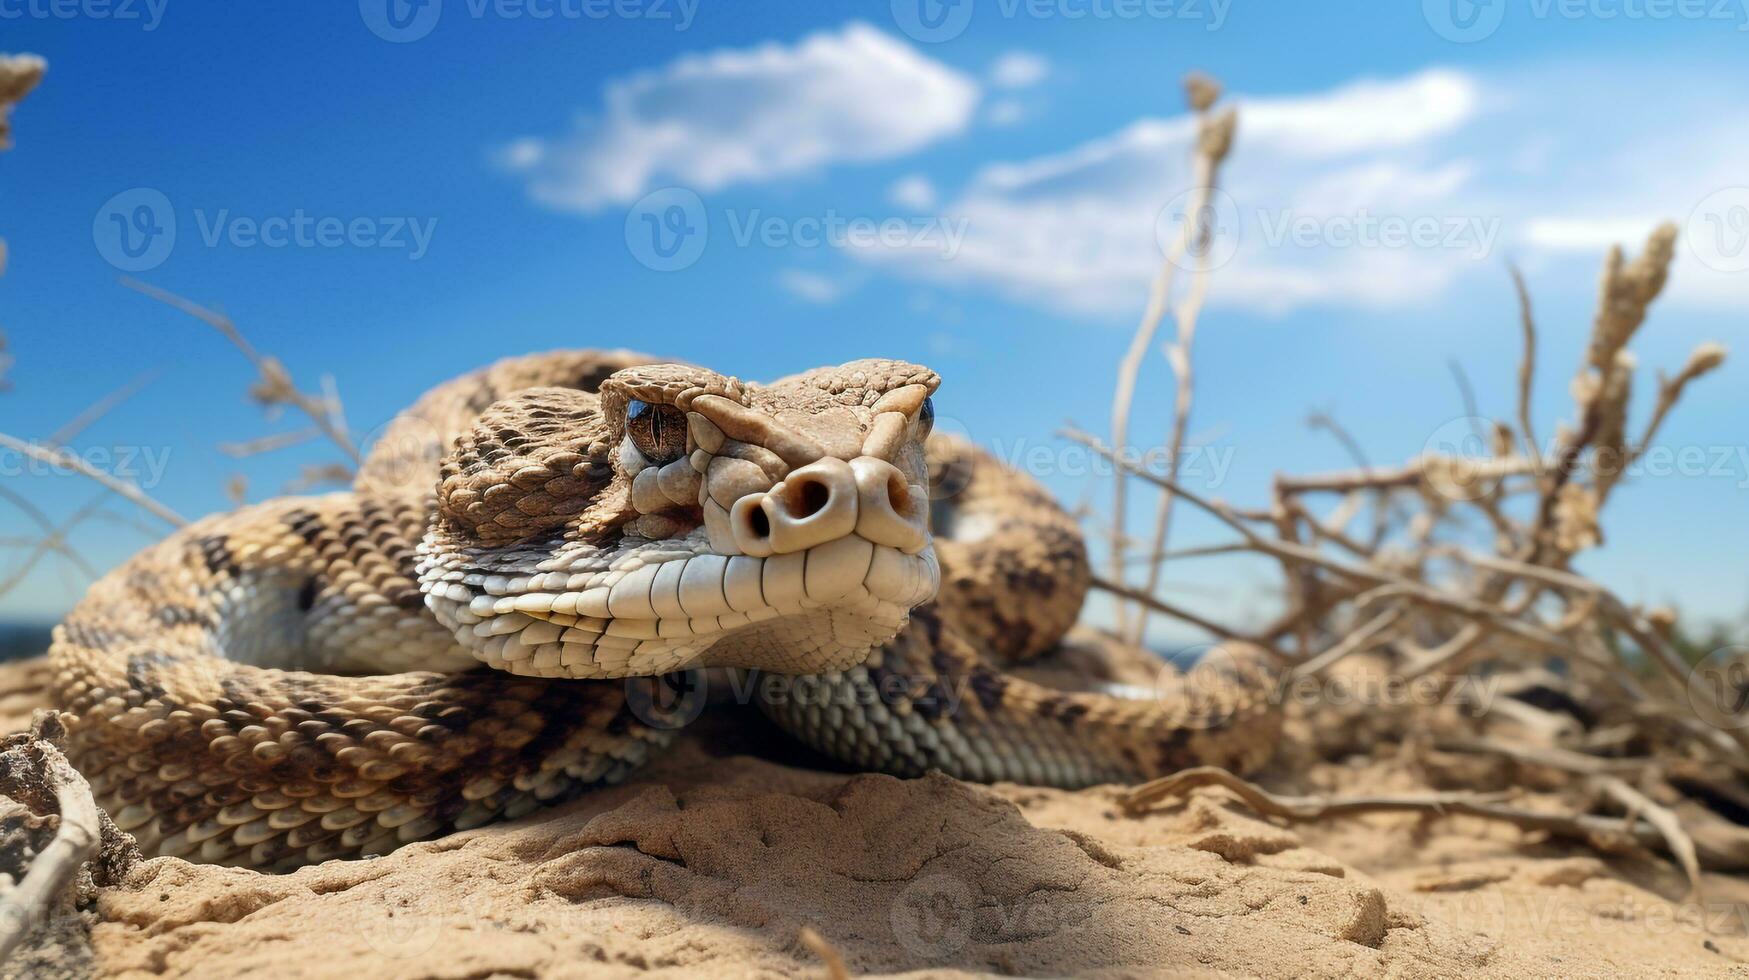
column 678, row 516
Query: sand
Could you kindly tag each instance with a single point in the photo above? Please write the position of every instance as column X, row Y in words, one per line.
column 714, row 859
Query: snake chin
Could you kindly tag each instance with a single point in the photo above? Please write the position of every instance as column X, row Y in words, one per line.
column 659, row 607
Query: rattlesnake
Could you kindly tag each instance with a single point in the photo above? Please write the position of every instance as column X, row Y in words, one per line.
column 301, row 679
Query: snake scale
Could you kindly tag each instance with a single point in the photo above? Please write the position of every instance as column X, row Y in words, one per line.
column 492, row 618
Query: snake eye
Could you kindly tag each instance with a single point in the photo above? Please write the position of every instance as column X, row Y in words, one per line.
column 659, row 431
column 926, row 419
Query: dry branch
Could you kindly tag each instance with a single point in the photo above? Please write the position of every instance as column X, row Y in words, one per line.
column 19, row 73
column 46, row 526
column 55, row 456
column 98, row 409
column 1159, row 605
column 1214, row 141
column 828, row 953
column 1526, row 365
column 33, row 760
column 1677, row 842
column 1435, row 604
column 55, row 540
column 1588, row 829
column 274, row 386
column 270, row 443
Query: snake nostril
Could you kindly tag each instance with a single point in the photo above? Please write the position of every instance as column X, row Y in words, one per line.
column 758, row 524
column 898, row 493
column 811, row 506
column 892, row 511
column 806, row 497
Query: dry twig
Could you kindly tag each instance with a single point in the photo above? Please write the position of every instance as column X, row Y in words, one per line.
column 828, row 953
column 1214, row 140
column 55, row 456
column 1439, row 606
column 19, row 73
column 98, row 409
column 1593, row 831
column 1676, row 840
column 75, row 841
column 274, row 387
column 1526, row 365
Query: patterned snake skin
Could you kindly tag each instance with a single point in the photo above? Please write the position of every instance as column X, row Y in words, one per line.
column 302, row 679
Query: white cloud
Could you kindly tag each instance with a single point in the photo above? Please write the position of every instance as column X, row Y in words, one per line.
column 1076, row 230
column 812, row 287
column 1464, row 171
column 1005, row 112
column 1019, row 69
column 1014, row 70
column 521, row 153
column 944, row 344
column 913, row 192
column 706, row 121
column 1590, row 235
column 1614, row 176
column 1363, row 116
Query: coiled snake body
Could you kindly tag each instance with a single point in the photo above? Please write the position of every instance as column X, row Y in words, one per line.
column 302, row 679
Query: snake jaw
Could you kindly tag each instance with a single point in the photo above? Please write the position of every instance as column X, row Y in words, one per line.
column 822, row 608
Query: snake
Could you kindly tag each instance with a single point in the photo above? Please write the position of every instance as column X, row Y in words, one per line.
column 537, row 570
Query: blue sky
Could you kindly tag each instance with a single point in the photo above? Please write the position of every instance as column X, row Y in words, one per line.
column 473, row 180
